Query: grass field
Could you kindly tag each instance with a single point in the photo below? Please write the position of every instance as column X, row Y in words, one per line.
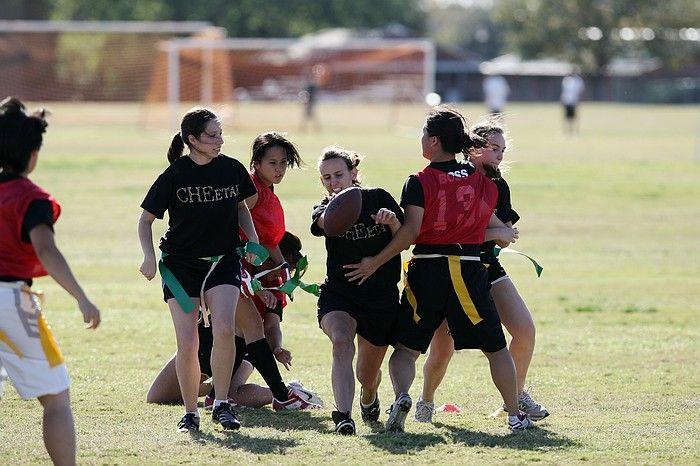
column 612, row 215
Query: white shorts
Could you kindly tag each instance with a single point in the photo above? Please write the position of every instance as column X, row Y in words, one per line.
column 28, row 349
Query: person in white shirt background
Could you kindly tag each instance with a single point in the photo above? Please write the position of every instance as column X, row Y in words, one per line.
column 571, row 89
column 496, row 92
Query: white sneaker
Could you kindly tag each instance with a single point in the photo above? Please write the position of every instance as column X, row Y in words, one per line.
column 520, row 422
column 533, row 409
column 424, row 410
column 305, row 394
column 398, row 412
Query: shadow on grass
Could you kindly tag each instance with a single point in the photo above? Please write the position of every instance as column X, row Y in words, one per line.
column 403, row 443
column 533, row 439
column 239, row 440
column 282, row 420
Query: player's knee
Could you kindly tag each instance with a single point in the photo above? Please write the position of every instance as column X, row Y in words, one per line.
column 343, row 345
column 224, row 333
column 366, row 376
column 186, row 352
column 55, row 402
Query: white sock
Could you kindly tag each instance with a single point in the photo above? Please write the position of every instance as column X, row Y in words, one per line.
column 218, row 402
column 196, row 413
column 367, row 406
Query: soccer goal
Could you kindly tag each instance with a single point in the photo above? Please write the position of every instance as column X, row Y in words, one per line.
column 340, row 66
column 83, row 60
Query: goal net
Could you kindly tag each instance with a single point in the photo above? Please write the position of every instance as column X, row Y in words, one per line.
column 338, row 66
column 82, row 61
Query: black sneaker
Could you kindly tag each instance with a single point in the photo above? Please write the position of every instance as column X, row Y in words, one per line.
column 370, row 413
column 224, row 415
column 398, row 412
column 344, row 425
column 188, row 423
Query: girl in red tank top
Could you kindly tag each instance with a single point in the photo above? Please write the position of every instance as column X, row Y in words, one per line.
column 28, row 350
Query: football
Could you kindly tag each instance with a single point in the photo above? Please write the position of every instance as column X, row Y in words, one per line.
column 342, row 211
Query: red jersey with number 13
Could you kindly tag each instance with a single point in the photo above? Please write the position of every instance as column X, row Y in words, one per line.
column 458, row 206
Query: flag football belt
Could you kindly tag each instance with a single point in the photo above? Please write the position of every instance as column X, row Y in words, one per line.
column 538, row 267
column 179, row 293
column 251, row 284
column 48, row 343
column 460, row 288
column 24, row 288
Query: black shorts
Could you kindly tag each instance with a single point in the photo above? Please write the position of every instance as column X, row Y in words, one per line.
column 206, row 344
column 430, row 296
column 495, row 271
column 276, row 310
column 191, row 272
column 570, row 112
column 377, row 326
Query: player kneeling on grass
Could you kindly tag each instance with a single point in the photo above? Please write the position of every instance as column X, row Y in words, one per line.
column 164, row 388
column 28, row 350
column 368, row 310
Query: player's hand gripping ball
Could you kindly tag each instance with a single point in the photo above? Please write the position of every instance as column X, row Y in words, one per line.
column 342, row 211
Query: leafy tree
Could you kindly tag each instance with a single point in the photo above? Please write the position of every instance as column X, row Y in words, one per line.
column 25, row 9
column 591, row 32
column 469, row 28
column 251, row 18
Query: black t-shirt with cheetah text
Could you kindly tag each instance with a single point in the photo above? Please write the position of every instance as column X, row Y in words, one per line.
column 202, row 205
column 364, row 238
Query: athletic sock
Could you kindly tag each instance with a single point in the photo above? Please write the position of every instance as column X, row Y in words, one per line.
column 218, row 402
column 264, row 361
column 367, row 406
column 196, row 413
column 240, row 353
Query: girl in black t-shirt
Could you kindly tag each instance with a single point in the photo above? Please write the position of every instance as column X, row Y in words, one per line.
column 512, row 310
column 204, row 194
column 346, row 309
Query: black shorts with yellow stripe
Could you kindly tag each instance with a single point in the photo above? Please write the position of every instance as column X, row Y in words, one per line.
column 446, row 287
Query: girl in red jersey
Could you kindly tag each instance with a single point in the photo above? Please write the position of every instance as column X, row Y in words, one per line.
column 448, row 206
column 259, row 317
column 510, row 306
column 28, row 349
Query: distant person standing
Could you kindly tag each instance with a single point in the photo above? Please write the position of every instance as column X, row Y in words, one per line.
column 571, row 89
column 309, row 96
column 496, row 93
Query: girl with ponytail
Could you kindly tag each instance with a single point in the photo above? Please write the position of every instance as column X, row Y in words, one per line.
column 447, row 206
column 204, row 193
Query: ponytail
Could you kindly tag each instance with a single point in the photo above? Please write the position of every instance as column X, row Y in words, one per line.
column 472, row 141
column 193, row 123
column 177, row 146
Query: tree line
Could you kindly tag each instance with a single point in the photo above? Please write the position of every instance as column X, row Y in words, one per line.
column 587, row 32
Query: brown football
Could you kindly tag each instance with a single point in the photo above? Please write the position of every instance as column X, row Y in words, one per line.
column 342, row 211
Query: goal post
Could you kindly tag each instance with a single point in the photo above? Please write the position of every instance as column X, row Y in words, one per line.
column 209, row 70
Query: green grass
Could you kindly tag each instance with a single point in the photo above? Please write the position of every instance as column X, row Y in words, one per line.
column 611, row 214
